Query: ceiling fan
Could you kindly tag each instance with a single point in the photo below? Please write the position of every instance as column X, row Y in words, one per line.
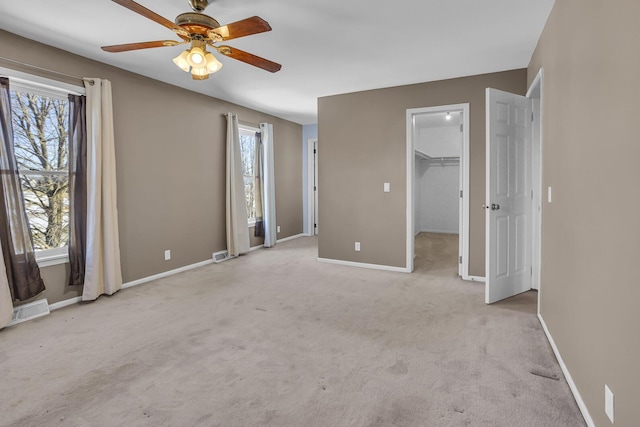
column 199, row 30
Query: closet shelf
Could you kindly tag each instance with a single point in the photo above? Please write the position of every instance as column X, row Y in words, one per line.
column 424, row 156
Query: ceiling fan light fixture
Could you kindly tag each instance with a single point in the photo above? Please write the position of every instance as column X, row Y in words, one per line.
column 195, row 57
column 213, row 64
column 201, row 73
column 181, row 61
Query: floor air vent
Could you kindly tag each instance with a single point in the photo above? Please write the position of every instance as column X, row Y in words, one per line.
column 29, row 311
column 221, row 256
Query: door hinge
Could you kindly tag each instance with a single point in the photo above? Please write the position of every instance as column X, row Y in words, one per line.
column 315, row 225
column 315, row 188
column 461, row 194
column 532, row 116
column 460, row 260
column 531, row 194
column 314, row 151
column 460, row 127
column 531, row 271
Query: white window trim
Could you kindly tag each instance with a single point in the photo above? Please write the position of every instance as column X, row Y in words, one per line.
column 41, row 84
column 21, row 81
column 55, row 256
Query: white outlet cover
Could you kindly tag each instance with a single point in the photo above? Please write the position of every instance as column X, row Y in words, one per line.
column 549, row 194
column 357, row 246
column 167, row 255
column 608, row 402
column 387, row 187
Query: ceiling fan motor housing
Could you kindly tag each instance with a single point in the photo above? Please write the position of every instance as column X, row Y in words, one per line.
column 196, row 23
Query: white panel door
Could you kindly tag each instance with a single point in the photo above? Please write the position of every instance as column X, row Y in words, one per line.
column 508, row 200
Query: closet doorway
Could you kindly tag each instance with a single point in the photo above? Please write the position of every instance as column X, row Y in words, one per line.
column 437, row 182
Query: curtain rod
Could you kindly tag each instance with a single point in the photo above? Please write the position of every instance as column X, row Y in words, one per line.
column 35, row 67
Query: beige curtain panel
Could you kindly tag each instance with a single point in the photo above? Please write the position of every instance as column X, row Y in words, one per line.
column 268, row 185
column 237, row 222
column 103, row 274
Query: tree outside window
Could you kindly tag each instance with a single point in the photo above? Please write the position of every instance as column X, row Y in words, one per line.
column 247, row 153
column 40, row 129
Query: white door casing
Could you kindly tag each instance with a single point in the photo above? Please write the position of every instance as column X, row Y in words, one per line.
column 463, row 248
column 315, row 187
column 312, row 186
column 508, row 199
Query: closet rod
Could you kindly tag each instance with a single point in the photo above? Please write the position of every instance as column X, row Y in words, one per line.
column 46, row 70
column 428, row 157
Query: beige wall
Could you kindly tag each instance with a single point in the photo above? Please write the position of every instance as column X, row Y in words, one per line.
column 363, row 144
column 170, row 155
column 591, row 232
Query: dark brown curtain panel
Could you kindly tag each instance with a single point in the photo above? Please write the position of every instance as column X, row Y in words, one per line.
column 77, row 188
column 257, row 187
column 23, row 273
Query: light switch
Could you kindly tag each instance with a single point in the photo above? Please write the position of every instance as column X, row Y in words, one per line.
column 548, row 194
column 387, row 187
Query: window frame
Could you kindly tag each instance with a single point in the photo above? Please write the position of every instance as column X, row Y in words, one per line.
column 247, row 129
column 20, row 81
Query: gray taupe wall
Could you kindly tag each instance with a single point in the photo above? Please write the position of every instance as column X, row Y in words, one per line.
column 589, row 292
column 362, row 138
column 170, row 156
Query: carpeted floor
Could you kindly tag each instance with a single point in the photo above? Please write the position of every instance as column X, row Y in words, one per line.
column 275, row 338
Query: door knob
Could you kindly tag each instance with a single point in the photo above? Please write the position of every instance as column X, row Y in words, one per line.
column 495, row 207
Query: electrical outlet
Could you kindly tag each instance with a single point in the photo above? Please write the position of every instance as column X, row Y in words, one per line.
column 357, row 246
column 548, row 194
column 278, row 229
column 167, row 255
column 387, row 187
column 608, row 402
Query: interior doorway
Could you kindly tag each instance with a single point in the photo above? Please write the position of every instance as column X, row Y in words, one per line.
column 437, row 178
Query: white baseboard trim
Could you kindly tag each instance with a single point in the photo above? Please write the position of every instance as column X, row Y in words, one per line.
column 255, row 248
column 64, row 303
column 290, row 238
column 567, row 375
column 76, row 300
column 364, row 265
column 474, row 278
column 166, row 274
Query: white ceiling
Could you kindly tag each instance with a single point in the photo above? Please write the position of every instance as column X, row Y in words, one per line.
column 326, row 47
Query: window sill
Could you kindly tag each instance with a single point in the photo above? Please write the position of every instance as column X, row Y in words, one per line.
column 50, row 260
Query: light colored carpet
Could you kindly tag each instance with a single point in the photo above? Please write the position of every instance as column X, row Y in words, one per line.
column 275, row 338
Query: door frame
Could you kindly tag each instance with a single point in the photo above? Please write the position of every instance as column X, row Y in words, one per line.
column 463, row 223
column 312, row 174
column 535, row 93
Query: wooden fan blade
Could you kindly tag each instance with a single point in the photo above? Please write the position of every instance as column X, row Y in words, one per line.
column 131, row 5
column 141, row 45
column 249, row 58
column 246, row 27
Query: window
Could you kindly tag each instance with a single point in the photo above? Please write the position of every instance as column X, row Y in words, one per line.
column 247, row 151
column 40, row 120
